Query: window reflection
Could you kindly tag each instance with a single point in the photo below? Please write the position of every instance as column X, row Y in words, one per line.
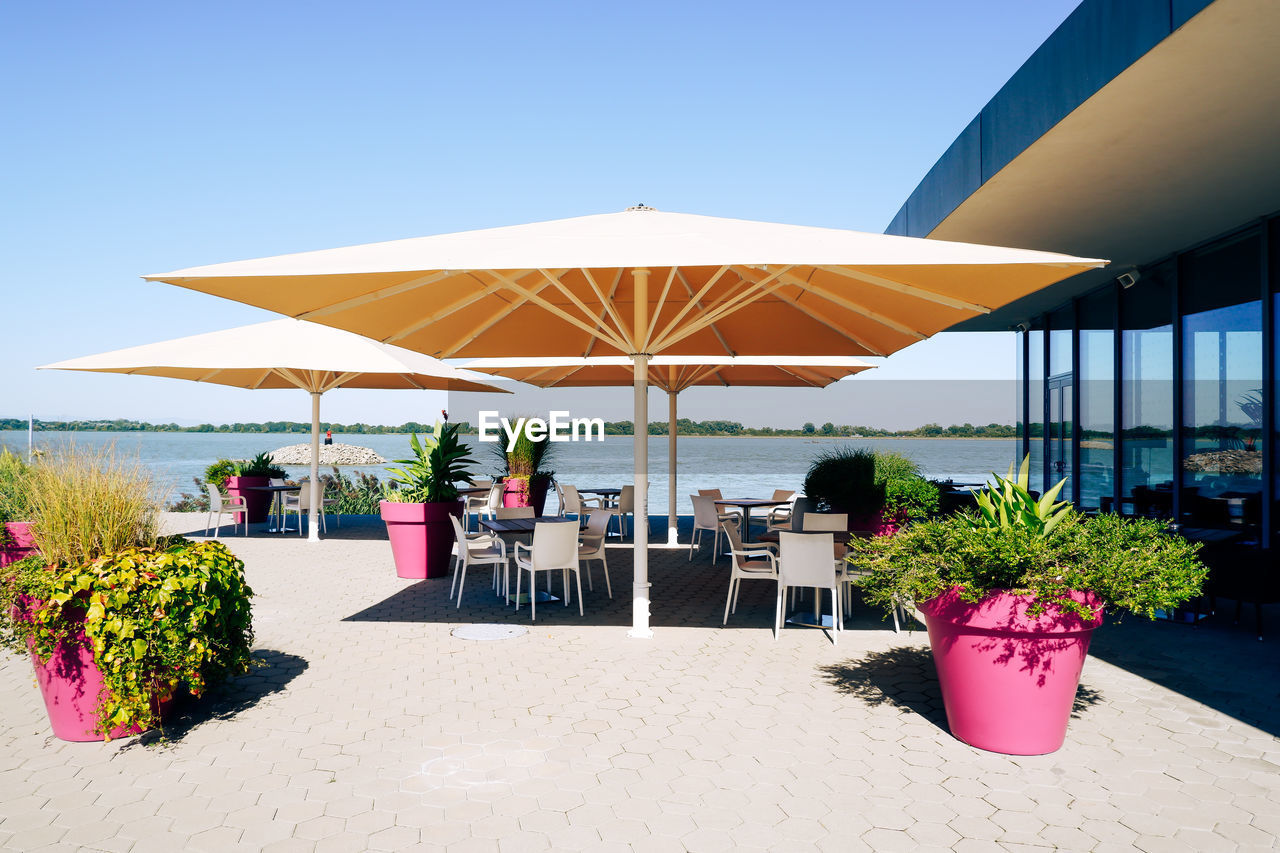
column 1097, row 410
column 1146, row 395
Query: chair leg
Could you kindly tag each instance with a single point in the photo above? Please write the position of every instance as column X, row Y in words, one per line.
column 604, row 561
column 577, row 574
column 590, row 587
column 835, row 618
column 693, row 540
column 737, row 590
column 533, row 594
column 564, row 583
column 453, row 582
column 461, row 582
column 728, row 599
column 777, row 614
column 519, row 572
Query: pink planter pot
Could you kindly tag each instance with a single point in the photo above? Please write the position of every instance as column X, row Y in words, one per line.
column 421, row 537
column 1008, row 680
column 17, row 542
column 515, row 493
column 259, row 502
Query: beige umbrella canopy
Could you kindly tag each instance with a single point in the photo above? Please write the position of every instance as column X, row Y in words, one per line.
column 640, row 283
column 673, row 374
column 286, row 353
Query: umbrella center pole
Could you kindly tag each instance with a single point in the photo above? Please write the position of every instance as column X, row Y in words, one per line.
column 313, row 487
column 640, row 429
column 673, row 521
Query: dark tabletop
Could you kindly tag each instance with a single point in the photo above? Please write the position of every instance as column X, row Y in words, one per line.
column 749, row 502
column 605, row 491
column 519, row 525
column 273, row 488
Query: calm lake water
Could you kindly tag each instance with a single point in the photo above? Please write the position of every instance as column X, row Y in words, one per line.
column 746, row 467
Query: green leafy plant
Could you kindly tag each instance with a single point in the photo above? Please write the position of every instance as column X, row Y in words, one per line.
column 527, row 460
column 158, row 619
column 1008, row 503
column 88, row 503
column 218, row 472
column 1132, row 565
column 843, row 479
column 259, row 466
column 440, row 462
column 907, row 495
column 15, row 487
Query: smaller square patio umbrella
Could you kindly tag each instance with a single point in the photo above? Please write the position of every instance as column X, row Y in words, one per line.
column 673, row 374
column 286, row 353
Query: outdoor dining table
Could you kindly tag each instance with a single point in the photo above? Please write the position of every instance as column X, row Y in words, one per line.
column 524, row 527
column 276, row 493
column 747, row 504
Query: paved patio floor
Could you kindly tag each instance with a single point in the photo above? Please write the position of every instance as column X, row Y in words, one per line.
column 369, row 727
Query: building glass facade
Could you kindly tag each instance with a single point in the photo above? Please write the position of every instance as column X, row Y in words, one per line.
column 1160, row 399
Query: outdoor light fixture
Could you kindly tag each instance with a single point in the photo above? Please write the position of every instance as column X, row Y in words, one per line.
column 1128, row 279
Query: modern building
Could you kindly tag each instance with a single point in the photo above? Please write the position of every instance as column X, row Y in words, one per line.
column 1147, row 132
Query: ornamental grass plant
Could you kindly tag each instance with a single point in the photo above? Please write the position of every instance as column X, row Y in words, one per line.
column 87, row 503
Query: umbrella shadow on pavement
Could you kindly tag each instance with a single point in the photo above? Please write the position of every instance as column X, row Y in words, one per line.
column 271, row 673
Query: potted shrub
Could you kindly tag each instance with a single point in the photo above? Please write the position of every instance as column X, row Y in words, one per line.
column 15, row 508
column 247, row 474
column 843, row 479
column 419, row 500
column 908, row 496
column 525, row 480
column 115, row 619
column 1011, row 593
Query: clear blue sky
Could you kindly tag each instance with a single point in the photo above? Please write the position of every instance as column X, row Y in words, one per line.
column 141, row 137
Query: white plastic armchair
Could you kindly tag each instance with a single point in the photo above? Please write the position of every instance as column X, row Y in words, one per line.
column 759, row 562
column 592, row 546
column 805, row 561
column 706, row 516
column 235, row 506
column 779, row 518
column 476, row 503
column 555, row 548
column 483, row 548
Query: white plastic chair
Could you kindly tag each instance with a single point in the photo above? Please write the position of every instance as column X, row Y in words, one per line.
column 301, row 504
column 626, row 505
column 805, row 561
column 481, row 548
column 706, row 517
column 573, row 503
column 476, row 503
column 229, row 505
column 715, row 495
column 555, row 548
column 779, row 518
column 592, row 545
column 758, row 563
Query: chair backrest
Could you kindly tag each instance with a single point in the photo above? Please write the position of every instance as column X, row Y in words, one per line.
column 559, row 495
column 711, row 493
column 735, row 542
column 805, row 559
column 704, row 512
column 836, row 522
column 215, row 498
column 275, row 481
column 513, row 512
column 570, row 500
column 304, row 494
column 495, row 496
column 627, row 499
column 783, row 494
column 800, row 507
column 555, row 545
column 458, row 533
column 481, row 484
column 598, row 522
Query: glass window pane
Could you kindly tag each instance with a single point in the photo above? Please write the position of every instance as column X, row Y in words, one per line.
column 1222, row 387
column 1146, row 394
column 1035, row 405
column 1097, row 411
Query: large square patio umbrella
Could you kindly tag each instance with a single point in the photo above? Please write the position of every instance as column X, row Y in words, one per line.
column 286, row 353
column 640, row 283
column 674, row 374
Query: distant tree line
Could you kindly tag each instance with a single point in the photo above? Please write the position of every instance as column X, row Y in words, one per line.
column 684, row 426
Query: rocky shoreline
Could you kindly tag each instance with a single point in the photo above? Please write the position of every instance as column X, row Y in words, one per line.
column 330, row 454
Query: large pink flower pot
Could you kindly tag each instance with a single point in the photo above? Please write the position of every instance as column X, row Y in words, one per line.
column 17, row 542
column 421, row 537
column 1008, row 679
column 259, row 502
column 71, row 683
column 515, row 492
